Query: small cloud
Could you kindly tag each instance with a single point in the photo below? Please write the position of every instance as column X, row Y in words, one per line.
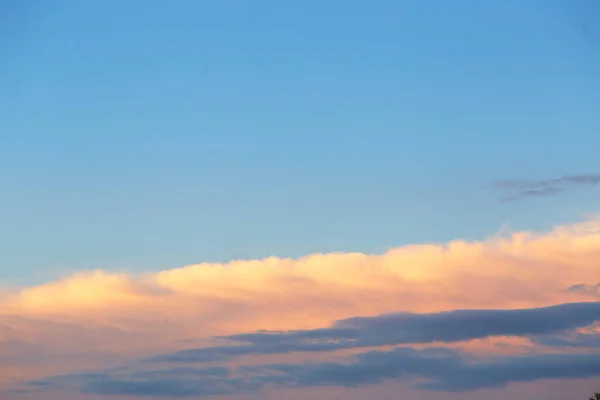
column 519, row 189
column 593, row 290
column 534, row 192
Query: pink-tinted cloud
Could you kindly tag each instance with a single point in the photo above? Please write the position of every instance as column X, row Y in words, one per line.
column 96, row 320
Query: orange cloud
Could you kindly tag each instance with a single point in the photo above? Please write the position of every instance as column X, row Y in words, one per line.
column 111, row 318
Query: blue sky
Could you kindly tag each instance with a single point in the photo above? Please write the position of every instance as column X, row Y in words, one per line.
column 144, row 135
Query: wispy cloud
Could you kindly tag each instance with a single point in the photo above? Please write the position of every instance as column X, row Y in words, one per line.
column 517, row 189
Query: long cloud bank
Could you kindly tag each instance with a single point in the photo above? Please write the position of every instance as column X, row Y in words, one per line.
column 404, row 328
column 440, row 368
column 98, row 319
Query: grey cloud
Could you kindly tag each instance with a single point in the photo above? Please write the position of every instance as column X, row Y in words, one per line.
column 174, row 382
column 537, row 192
column 445, row 371
column 438, row 369
column 574, row 339
column 401, row 328
column 367, row 368
column 500, row 372
column 519, row 189
column 221, row 372
column 160, row 387
column 593, row 290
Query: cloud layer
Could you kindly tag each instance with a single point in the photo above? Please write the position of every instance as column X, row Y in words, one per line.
column 441, row 369
column 404, row 328
column 329, row 316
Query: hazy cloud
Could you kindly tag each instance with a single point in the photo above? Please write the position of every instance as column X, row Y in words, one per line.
column 442, row 369
column 173, row 382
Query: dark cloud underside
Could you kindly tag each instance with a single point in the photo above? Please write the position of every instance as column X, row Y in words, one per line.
column 437, row 369
column 398, row 329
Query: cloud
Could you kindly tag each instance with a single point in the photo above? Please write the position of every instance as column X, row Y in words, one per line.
column 593, row 290
column 520, row 189
column 167, row 383
column 101, row 320
column 444, row 369
column 175, row 382
column 436, row 369
column 402, row 328
column 589, row 340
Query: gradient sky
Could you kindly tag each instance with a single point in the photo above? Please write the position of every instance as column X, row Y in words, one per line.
column 150, row 134
column 143, row 136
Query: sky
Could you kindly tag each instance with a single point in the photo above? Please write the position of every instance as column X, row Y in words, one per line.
column 266, row 199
